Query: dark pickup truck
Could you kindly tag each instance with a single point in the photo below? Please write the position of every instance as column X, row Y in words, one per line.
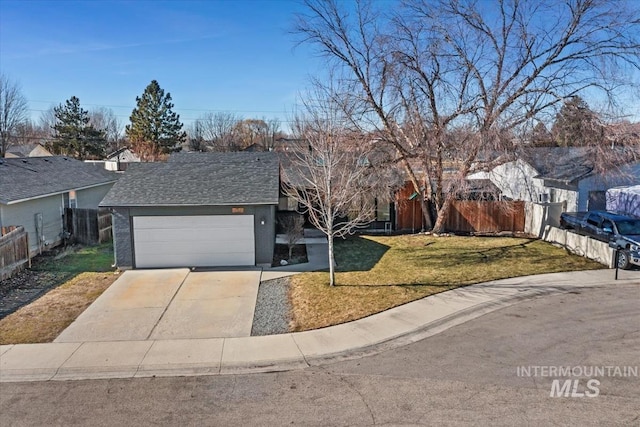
column 620, row 230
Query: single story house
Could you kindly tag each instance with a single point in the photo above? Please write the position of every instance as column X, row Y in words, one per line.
column 120, row 159
column 559, row 174
column 196, row 210
column 35, row 190
column 117, row 161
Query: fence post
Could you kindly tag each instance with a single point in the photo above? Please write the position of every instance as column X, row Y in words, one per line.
column 28, row 249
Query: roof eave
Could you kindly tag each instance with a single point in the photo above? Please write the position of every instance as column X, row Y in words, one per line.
column 176, row 205
column 26, row 199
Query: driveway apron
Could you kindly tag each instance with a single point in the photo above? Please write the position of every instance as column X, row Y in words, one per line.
column 211, row 305
column 169, row 304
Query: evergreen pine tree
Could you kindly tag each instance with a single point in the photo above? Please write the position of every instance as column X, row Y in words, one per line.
column 541, row 137
column 74, row 136
column 577, row 125
column 155, row 129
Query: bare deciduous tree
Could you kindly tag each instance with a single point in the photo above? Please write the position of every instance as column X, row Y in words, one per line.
column 249, row 132
column 13, row 112
column 292, row 224
column 224, row 131
column 195, row 137
column 218, row 130
column 482, row 71
column 104, row 119
column 332, row 181
column 272, row 133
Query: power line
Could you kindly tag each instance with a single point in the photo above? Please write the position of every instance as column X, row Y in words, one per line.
column 205, row 110
column 127, row 117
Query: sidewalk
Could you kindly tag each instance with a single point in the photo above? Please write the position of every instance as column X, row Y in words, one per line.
column 393, row 328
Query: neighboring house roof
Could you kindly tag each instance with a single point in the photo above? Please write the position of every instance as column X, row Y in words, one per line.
column 254, row 147
column 27, row 150
column 199, row 179
column 123, row 155
column 565, row 164
column 32, row 177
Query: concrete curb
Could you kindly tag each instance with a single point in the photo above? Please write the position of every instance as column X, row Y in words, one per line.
column 218, row 356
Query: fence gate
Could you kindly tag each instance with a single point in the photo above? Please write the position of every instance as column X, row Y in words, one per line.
column 88, row 226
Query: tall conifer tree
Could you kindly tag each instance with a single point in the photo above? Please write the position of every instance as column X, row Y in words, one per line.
column 74, row 136
column 155, row 129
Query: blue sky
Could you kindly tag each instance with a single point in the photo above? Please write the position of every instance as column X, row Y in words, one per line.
column 217, row 55
column 213, row 55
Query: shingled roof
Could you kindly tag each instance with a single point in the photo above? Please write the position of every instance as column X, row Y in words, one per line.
column 31, row 177
column 561, row 163
column 199, row 179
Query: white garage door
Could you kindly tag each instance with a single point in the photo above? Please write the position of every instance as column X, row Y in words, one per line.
column 193, row 241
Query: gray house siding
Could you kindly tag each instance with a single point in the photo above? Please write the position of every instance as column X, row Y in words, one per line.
column 90, row 198
column 52, row 208
column 265, row 234
column 24, row 213
column 122, row 223
column 121, row 228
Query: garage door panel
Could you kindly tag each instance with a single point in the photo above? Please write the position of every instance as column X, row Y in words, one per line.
column 188, row 260
column 160, row 246
column 157, row 235
column 215, row 221
column 194, row 241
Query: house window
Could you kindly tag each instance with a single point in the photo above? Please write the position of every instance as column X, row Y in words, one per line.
column 383, row 211
column 543, row 198
column 70, row 200
column 287, row 204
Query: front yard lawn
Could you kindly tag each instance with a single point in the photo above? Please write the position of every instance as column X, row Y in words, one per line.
column 76, row 278
column 381, row 272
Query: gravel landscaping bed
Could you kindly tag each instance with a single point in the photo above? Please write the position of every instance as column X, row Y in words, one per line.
column 272, row 314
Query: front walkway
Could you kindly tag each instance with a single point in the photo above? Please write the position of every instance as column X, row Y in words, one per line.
column 393, row 328
column 317, row 256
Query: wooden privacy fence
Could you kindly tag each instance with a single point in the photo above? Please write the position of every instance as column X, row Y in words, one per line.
column 14, row 250
column 88, row 226
column 480, row 216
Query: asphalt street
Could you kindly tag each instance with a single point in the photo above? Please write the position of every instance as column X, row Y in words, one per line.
column 471, row 374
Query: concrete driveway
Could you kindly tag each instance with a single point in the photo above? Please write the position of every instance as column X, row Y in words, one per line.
column 170, row 304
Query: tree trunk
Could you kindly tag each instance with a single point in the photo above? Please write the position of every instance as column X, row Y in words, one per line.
column 290, row 251
column 332, row 269
column 443, row 213
column 416, row 186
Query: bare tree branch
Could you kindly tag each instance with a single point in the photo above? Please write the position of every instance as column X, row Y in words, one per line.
column 13, row 112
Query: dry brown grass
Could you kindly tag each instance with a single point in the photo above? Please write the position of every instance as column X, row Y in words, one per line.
column 44, row 319
column 378, row 273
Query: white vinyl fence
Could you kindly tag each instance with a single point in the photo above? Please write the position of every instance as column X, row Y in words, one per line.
column 543, row 220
